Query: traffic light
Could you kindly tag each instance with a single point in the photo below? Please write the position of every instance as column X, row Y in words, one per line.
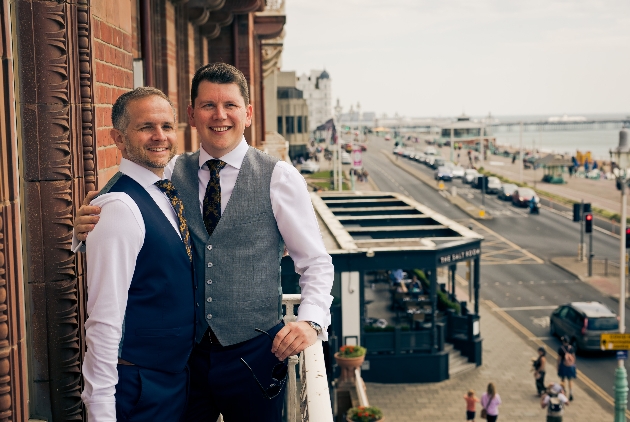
column 577, row 212
column 588, row 223
column 628, row 238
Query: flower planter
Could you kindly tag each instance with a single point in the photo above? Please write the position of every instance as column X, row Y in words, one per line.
column 378, row 420
column 348, row 365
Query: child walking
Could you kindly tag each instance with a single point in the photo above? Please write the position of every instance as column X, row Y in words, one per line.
column 471, row 405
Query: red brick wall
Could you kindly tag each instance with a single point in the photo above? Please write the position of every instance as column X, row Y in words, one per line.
column 113, row 75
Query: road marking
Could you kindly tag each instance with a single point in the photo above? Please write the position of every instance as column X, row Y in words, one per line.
column 529, row 308
column 541, row 322
column 528, row 334
column 512, row 244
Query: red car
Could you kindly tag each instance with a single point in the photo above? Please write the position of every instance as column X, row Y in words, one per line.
column 522, row 196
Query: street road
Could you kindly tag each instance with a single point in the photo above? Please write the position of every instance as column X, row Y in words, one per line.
column 518, row 278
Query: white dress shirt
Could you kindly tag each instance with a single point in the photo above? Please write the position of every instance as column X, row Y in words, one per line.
column 112, row 249
column 297, row 223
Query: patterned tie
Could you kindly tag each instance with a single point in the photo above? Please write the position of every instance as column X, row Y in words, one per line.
column 169, row 190
column 212, row 199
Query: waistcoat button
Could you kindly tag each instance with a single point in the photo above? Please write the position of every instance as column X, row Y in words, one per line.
column 209, row 281
column 209, row 316
column 209, row 299
column 197, row 305
column 209, row 264
column 209, row 247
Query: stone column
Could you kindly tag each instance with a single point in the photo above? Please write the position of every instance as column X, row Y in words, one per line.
column 54, row 102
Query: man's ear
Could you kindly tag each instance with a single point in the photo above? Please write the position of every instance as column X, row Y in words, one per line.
column 248, row 113
column 191, row 115
column 118, row 138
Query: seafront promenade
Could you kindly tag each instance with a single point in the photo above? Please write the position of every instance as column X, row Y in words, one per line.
column 600, row 193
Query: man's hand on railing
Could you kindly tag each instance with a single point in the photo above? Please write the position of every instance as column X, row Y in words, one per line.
column 292, row 339
column 87, row 217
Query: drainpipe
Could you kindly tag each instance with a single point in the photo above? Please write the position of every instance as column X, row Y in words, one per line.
column 145, row 42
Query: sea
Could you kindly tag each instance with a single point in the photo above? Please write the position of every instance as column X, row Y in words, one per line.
column 598, row 142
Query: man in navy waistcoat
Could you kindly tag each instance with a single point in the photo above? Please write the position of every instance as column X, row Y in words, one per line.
column 140, row 329
column 243, row 208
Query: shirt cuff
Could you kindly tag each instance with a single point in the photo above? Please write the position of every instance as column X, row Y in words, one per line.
column 313, row 313
column 101, row 411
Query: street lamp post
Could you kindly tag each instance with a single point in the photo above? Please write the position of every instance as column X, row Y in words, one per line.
column 337, row 180
column 621, row 156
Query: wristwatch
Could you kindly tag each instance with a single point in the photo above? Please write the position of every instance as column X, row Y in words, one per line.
column 315, row 326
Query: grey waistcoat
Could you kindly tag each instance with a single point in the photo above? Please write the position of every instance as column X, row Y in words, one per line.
column 237, row 269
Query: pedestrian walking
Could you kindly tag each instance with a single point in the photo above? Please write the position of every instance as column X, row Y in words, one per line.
column 540, row 365
column 566, row 364
column 513, row 158
column 365, row 175
column 554, row 400
column 471, row 405
column 490, row 402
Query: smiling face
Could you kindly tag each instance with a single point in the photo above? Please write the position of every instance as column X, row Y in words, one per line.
column 220, row 115
column 150, row 139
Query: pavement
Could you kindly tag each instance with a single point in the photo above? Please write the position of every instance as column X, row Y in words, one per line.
column 608, row 285
column 507, row 362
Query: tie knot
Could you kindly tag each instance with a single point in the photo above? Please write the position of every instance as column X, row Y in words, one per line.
column 215, row 165
column 166, row 186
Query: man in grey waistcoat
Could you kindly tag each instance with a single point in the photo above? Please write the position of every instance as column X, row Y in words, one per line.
column 243, row 207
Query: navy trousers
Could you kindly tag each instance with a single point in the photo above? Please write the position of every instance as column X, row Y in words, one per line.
column 221, row 384
column 145, row 395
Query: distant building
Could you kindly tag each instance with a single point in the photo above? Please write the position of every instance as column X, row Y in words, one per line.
column 293, row 114
column 317, row 93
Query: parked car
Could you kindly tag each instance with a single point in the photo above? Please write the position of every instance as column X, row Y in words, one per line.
column 469, row 175
column 309, row 166
column 430, row 160
column 583, row 323
column 458, row 172
column 506, row 191
column 431, row 151
column 494, row 185
column 388, row 138
column 437, row 162
column 345, row 158
column 420, row 157
column 522, row 196
column 443, row 173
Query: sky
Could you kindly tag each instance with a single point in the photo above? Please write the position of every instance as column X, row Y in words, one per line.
column 439, row 58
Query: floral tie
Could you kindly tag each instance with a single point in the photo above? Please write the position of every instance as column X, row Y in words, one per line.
column 169, row 190
column 212, row 199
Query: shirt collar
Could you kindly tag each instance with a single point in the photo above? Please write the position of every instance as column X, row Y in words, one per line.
column 142, row 175
column 233, row 158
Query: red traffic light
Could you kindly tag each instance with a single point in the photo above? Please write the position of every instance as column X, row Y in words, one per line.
column 588, row 217
column 628, row 230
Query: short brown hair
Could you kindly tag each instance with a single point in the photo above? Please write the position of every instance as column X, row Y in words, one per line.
column 219, row 73
column 120, row 115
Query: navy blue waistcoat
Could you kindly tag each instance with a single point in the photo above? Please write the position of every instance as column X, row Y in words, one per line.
column 159, row 324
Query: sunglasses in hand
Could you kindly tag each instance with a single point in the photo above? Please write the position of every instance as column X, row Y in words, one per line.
column 278, row 374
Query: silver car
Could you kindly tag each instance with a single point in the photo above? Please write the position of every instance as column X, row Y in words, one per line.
column 582, row 323
column 470, row 175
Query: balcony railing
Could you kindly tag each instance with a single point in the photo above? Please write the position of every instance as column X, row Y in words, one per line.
column 311, row 403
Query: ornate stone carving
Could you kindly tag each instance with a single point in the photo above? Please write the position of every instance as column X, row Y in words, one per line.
column 57, row 128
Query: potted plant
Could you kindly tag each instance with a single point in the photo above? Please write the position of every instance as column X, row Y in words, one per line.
column 365, row 414
column 349, row 358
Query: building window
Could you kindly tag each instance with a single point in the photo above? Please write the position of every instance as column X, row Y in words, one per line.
column 280, row 125
column 299, row 125
column 290, row 125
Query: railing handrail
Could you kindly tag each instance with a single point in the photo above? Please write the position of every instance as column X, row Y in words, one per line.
column 360, row 387
column 314, row 397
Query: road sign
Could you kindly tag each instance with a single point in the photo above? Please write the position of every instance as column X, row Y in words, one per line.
column 615, row 341
column 357, row 159
column 622, row 355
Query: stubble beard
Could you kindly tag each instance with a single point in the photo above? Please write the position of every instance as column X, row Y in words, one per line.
column 139, row 156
